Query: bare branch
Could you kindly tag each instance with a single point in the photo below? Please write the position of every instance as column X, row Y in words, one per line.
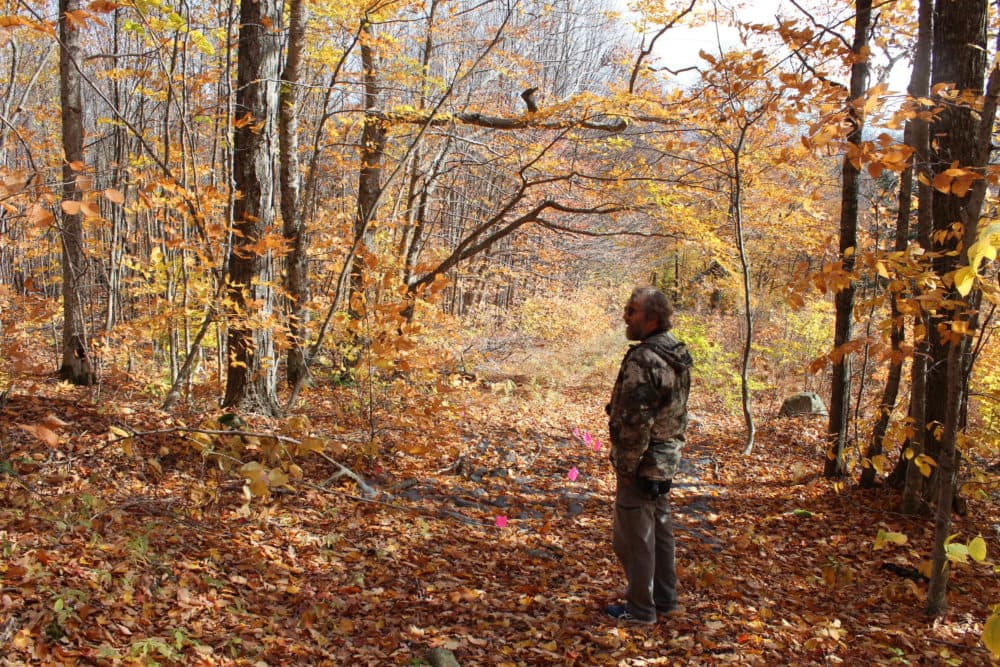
column 584, row 232
column 429, row 119
column 822, row 28
column 644, row 52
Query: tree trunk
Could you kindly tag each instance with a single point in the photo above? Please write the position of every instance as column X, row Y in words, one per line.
column 907, row 471
column 960, row 57
column 77, row 366
column 737, row 213
column 840, row 393
column 250, row 373
column 293, row 224
column 953, row 128
column 373, row 138
column 897, row 334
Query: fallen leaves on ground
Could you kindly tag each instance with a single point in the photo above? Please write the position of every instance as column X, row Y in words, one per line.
column 496, row 547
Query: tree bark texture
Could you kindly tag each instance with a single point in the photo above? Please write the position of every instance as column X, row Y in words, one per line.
column 736, row 198
column 77, row 366
column 373, row 138
column 913, row 480
column 292, row 215
column 840, row 393
column 954, row 128
column 250, row 375
column 960, row 58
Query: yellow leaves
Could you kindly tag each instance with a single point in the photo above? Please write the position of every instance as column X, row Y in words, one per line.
column 887, row 537
column 11, row 21
column 201, row 42
column 416, row 448
column 955, row 180
column 260, row 480
column 924, row 463
column 977, row 549
column 956, row 552
column 200, row 441
column 124, row 437
column 983, row 249
column 297, row 425
column 311, row 444
column 991, row 632
column 256, row 479
column 875, row 93
column 964, row 280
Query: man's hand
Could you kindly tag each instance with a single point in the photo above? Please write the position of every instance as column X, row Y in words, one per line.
column 652, row 488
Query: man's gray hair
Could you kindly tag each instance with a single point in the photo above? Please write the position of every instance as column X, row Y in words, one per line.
column 654, row 302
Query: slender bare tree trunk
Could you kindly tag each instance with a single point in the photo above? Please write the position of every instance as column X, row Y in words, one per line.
column 737, row 213
column 293, row 224
column 840, row 392
column 373, row 139
column 897, row 333
column 77, row 366
column 913, row 479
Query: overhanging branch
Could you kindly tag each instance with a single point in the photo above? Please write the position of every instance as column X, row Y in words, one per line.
column 613, row 125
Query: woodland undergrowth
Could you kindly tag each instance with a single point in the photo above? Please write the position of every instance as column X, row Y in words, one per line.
column 127, row 539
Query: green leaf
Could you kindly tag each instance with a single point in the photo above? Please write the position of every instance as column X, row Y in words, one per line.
column 965, row 278
column 176, row 22
column 977, row 549
column 957, row 552
column 133, row 26
column 886, row 537
column 991, row 634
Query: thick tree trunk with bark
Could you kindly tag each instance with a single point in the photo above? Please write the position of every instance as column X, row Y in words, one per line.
column 954, row 128
column 960, row 58
column 77, row 366
column 840, row 393
column 251, row 376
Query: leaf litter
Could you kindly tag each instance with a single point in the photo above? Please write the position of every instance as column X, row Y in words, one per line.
column 497, row 549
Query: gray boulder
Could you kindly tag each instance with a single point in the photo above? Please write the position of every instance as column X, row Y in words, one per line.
column 441, row 657
column 803, row 403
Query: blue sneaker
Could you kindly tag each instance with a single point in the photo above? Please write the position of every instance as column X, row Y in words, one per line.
column 620, row 612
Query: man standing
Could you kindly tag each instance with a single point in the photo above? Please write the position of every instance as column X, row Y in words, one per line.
column 648, row 416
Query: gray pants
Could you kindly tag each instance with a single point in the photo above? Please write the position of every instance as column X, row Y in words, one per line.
column 643, row 540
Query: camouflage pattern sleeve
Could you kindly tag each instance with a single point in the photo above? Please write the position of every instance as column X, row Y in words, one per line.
column 637, row 398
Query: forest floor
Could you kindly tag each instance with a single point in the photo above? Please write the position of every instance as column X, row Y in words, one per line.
column 496, row 547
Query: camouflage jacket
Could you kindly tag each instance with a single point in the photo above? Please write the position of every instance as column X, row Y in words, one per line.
column 648, row 408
